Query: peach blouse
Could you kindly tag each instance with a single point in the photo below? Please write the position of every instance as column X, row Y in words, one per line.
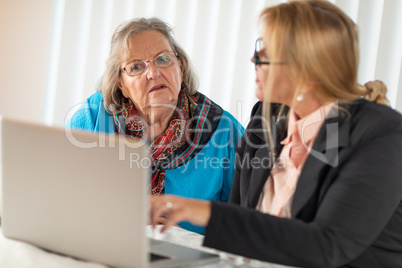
column 277, row 195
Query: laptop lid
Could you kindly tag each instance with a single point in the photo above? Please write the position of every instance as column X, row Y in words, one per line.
column 75, row 193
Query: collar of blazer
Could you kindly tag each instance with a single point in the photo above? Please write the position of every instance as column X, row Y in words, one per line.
column 333, row 135
column 255, row 134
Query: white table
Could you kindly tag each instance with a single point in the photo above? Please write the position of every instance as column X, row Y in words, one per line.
column 16, row 254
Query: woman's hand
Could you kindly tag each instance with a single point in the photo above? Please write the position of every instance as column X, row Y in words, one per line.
column 177, row 209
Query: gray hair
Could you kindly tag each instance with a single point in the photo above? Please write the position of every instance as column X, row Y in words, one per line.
column 120, row 51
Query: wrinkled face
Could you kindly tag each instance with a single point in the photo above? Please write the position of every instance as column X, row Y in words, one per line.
column 283, row 87
column 155, row 86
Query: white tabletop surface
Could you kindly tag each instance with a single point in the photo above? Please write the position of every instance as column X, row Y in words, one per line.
column 16, row 254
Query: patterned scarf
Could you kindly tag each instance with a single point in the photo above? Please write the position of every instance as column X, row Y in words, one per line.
column 161, row 149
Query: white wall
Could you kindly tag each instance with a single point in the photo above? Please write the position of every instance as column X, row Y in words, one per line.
column 218, row 35
column 25, row 28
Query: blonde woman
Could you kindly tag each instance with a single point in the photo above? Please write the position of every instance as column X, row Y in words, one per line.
column 331, row 194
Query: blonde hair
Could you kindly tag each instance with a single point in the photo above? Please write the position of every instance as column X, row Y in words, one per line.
column 319, row 43
column 120, row 51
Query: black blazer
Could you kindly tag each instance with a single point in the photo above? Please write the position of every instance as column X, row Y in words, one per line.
column 346, row 209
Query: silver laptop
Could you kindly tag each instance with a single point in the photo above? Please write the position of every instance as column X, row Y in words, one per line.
column 82, row 195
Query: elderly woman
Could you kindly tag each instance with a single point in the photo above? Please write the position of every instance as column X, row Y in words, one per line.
column 333, row 196
column 149, row 91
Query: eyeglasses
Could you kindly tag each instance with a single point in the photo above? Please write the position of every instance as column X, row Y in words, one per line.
column 258, row 47
column 162, row 60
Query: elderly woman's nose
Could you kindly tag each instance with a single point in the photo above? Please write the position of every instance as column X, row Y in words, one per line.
column 153, row 71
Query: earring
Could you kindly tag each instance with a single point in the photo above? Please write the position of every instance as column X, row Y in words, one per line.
column 300, row 97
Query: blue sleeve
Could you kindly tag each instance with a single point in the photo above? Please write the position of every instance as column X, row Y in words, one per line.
column 92, row 116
